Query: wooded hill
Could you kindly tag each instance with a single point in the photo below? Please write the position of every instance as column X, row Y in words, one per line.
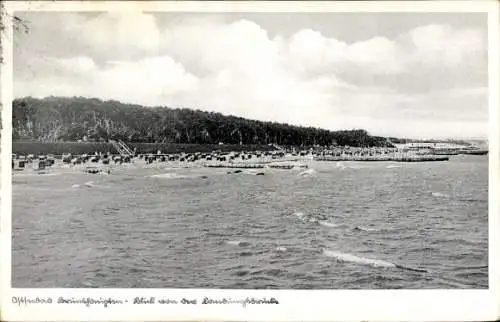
column 56, row 119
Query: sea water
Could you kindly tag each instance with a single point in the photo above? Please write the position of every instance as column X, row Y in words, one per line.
column 349, row 226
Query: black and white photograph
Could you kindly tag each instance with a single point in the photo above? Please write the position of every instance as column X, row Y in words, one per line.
column 250, row 150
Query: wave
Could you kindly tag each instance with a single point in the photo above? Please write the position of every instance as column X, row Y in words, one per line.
column 360, row 228
column 169, row 175
column 340, row 165
column 238, row 243
column 88, row 184
column 344, row 257
column 469, row 268
column 323, row 221
column 315, row 219
column 393, row 166
column 411, row 269
column 440, row 195
column 281, row 249
column 45, row 174
column 299, row 166
column 308, row 173
column 469, row 200
column 463, row 199
column 253, row 172
column 306, row 218
column 475, row 267
column 100, row 172
column 328, row 224
column 300, row 215
column 359, row 166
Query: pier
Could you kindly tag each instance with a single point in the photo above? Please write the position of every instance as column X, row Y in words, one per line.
column 394, row 158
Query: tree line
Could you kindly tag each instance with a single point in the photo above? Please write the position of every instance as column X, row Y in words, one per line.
column 56, row 119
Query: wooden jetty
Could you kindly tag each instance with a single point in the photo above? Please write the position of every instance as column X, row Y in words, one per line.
column 394, row 158
column 473, row 152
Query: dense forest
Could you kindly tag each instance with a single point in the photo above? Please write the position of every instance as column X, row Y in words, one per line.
column 62, row 119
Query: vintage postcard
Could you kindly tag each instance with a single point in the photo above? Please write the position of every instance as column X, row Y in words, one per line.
column 250, row 161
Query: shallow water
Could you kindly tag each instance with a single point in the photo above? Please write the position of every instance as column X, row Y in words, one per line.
column 343, row 225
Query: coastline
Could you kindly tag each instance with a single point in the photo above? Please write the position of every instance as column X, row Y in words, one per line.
column 60, row 148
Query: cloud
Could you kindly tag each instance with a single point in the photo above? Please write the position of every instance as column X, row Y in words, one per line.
column 427, row 47
column 242, row 46
column 122, row 32
column 388, row 86
column 147, row 81
column 78, row 64
column 309, row 51
column 126, row 35
column 441, row 45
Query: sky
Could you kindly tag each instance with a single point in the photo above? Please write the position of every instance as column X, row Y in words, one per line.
column 418, row 75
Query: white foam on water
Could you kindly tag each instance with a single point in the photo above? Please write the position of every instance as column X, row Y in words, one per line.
column 17, row 174
column 328, row 224
column 89, row 184
column 168, row 175
column 238, row 243
column 340, row 165
column 281, row 249
column 440, row 195
column 252, row 172
column 365, row 228
column 300, row 215
column 344, row 257
column 23, row 174
column 360, row 166
column 308, row 173
column 393, row 166
column 313, row 219
column 299, row 166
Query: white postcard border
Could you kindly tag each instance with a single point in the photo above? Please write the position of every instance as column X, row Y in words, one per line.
column 317, row 305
